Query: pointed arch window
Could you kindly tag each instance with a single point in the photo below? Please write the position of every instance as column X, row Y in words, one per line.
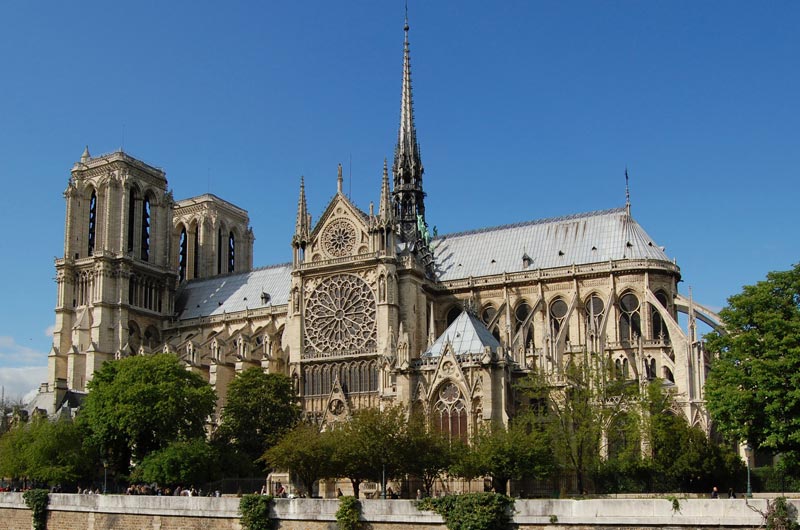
column 595, row 310
column 131, row 219
column 522, row 324
column 145, row 229
column 488, row 314
column 183, row 255
column 196, row 252
column 92, row 222
column 658, row 328
column 231, row 252
column 450, row 413
column 558, row 318
column 219, row 251
column 630, row 320
column 452, row 315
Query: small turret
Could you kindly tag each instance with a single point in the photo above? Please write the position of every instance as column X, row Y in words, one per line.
column 301, row 231
column 85, row 156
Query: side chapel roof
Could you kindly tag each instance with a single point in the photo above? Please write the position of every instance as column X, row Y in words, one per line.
column 465, row 335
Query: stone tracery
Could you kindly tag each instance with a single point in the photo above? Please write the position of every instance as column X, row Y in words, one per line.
column 340, row 316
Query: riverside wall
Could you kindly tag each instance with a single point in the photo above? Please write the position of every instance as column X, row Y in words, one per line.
column 121, row 512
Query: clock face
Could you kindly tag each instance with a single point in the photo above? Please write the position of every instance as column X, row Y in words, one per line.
column 340, row 316
column 339, row 238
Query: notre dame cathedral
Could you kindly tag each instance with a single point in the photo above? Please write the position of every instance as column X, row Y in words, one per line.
column 373, row 309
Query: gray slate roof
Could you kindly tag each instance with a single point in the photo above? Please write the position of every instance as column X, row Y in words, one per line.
column 562, row 241
column 466, row 335
column 234, row 292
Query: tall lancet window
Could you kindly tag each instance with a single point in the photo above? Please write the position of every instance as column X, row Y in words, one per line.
column 630, row 321
column 219, row 251
column 450, row 413
column 92, row 221
column 231, row 252
column 183, row 255
column 131, row 219
column 146, row 229
column 196, row 251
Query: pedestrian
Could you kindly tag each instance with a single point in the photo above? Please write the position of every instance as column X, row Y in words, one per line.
column 715, row 493
column 731, row 493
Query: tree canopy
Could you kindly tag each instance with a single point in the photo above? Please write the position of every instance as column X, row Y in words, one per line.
column 141, row 404
column 753, row 388
column 306, row 452
column 44, row 451
column 260, row 409
column 180, row 463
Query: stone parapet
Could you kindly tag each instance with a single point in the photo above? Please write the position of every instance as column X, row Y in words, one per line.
column 99, row 511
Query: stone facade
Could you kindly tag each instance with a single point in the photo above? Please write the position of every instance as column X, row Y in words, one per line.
column 373, row 309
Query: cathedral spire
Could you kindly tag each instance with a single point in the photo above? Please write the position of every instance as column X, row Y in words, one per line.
column 301, row 225
column 407, row 167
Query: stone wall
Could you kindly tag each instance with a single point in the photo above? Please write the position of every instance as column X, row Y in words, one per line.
column 120, row 512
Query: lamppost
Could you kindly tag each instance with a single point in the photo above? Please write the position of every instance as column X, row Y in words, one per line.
column 748, row 453
column 105, row 475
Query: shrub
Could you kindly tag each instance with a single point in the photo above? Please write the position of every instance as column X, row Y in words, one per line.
column 255, row 512
column 472, row 511
column 348, row 515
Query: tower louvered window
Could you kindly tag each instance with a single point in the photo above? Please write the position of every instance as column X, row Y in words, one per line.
column 145, row 255
column 183, row 255
column 92, row 222
column 231, row 252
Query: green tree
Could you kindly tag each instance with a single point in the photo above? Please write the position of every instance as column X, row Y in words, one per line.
column 576, row 410
column 683, row 457
column 753, row 388
column 45, row 452
column 260, row 409
column 306, row 452
column 519, row 451
column 429, row 452
column 141, row 404
column 371, row 446
column 180, row 463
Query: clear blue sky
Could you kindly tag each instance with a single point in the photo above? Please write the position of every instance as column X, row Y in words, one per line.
column 524, row 110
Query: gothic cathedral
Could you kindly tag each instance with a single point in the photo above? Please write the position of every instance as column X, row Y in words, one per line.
column 373, row 309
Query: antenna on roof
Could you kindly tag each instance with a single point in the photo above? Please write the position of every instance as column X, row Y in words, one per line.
column 350, row 178
column 122, row 146
column 627, row 193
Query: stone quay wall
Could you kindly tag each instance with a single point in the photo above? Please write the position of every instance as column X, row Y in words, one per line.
column 121, row 512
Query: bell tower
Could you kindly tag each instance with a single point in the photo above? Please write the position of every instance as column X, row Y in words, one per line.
column 115, row 283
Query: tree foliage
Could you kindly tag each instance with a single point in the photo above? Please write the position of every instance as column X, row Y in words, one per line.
column 371, row 446
column 306, row 452
column 429, row 453
column 753, row 389
column 189, row 462
column 141, row 404
column 521, row 450
column 44, row 451
column 260, row 409
column 575, row 412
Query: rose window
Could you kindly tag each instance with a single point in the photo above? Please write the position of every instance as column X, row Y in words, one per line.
column 339, row 238
column 340, row 316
